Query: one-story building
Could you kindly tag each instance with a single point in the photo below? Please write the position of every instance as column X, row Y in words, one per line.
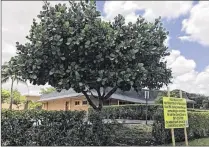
column 71, row 100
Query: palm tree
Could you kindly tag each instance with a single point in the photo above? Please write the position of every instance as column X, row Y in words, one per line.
column 9, row 71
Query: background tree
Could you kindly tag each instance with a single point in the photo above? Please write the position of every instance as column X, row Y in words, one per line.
column 35, row 105
column 5, row 95
column 47, row 90
column 200, row 100
column 10, row 71
column 71, row 47
column 18, row 99
column 174, row 93
column 206, row 103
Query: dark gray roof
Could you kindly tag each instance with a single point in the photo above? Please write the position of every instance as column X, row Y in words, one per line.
column 131, row 96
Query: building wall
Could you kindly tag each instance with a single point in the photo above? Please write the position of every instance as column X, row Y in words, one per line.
column 60, row 104
column 56, row 105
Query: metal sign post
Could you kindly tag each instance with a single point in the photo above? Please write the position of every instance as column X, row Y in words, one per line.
column 185, row 130
column 172, row 129
column 146, row 97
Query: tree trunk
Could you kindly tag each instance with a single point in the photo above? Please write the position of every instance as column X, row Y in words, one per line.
column 100, row 104
column 100, row 97
column 11, row 95
column 26, row 105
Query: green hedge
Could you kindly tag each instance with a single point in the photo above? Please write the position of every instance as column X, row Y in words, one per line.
column 198, row 110
column 198, row 127
column 132, row 111
column 61, row 128
column 137, row 111
column 57, row 128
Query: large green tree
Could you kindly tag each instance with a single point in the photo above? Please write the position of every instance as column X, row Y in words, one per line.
column 71, row 47
column 10, row 70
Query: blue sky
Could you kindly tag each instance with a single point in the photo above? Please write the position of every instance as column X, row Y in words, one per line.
column 186, row 21
column 190, row 50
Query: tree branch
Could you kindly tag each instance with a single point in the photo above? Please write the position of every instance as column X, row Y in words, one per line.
column 92, row 94
column 111, row 92
column 98, row 92
column 89, row 100
column 103, row 92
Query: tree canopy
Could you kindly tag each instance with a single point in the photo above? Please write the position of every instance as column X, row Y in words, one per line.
column 72, row 47
column 11, row 70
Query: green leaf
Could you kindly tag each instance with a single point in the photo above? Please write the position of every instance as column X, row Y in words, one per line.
column 73, row 64
column 51, row 73
column 112, row 55
column 88, row 43
column 99, row 79
column 80, row 84
column 34, row 77
column 69, row 41
column 77, row 74
column 67, row 24
column 63, row 58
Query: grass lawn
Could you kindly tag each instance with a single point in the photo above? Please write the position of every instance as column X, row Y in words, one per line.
column 196, row 142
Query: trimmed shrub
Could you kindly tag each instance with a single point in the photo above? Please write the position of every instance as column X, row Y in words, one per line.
column 198, row 127
column 134, row 111
column 67, row 128
column 54, row 128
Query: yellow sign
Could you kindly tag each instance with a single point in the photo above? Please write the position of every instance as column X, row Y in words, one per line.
column 175, row 112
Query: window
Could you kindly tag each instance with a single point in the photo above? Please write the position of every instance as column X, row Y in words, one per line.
column 77, row 102
column 84, row 102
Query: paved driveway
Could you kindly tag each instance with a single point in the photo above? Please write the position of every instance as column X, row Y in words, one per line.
column 127, row 121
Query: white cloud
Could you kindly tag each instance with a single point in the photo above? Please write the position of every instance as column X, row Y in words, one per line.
column 153, row 9
column 185, row 38
column 196, row 26
column 25, row 89
column 17, row 17
column 8, row 51
column 185, row 75
column 182, row 65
